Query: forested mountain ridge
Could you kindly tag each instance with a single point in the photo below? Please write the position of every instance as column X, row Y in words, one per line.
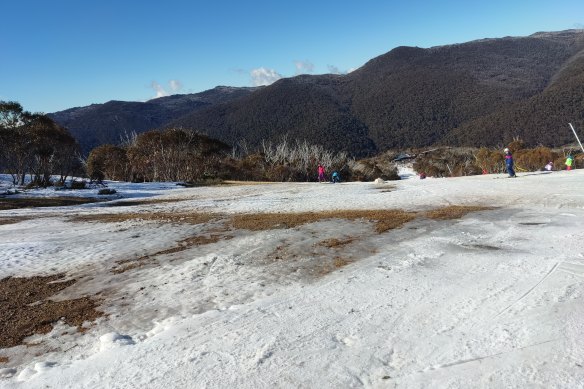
column 98, row 124
column 479, row 93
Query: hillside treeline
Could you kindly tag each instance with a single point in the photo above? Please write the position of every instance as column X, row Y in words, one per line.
column 176, row 154
column 33, row 144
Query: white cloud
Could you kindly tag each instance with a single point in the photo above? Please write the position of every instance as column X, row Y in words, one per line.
column 304, row 67
column 263, row 76
column 174, row 86
column 333, row 69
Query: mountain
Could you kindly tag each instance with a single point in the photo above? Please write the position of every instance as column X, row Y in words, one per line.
column 464, row 94
column 479, row 93
column 97, row 124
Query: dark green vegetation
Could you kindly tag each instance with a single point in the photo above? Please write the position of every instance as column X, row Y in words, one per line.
column 34, row 144
column 480, row 93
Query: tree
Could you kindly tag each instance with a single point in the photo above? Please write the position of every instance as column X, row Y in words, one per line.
column 108, row 162
column 34, row 143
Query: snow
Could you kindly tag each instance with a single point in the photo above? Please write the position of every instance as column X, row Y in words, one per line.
column 494, row 299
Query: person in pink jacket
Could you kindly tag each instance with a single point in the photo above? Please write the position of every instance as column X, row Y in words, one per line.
column 321, row 173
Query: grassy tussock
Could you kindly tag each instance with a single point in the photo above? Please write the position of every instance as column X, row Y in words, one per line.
column 12, row 220
column 334, row 242
column 162, row 217
column 454, row 211
column 21, row 318
column 7, row 203
column 384, row 219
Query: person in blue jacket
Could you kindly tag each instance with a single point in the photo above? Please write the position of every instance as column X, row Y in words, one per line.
column 509, row 163
column 335, row 177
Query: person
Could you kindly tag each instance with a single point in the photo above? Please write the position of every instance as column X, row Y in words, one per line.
column 509, row 163
column 335, row 177
column 569, row 162
column 320, row 173
column 422, row 175
column 549, row 167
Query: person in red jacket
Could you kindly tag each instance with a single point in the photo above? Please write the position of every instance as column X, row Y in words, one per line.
column 321, row 173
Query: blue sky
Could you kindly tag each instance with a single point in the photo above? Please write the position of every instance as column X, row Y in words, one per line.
column 61, row 54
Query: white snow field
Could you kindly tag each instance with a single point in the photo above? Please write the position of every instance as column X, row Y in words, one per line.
column 493, row 299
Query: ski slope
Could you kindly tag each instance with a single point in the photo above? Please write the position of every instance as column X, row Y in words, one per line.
column 493, row 299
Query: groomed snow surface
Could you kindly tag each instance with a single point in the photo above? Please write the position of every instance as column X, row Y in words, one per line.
column 493, row 299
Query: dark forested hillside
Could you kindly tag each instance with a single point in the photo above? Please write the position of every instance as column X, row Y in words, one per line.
column 469, row 94
column 478, row 93
column 303, row 107
column 106, row 123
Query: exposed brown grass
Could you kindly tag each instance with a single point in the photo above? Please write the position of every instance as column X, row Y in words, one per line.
column 132, row 203
column 334, row 242
column 339, row 262
column 12, row 220
column 26, row 309
column 336, row 264
column 38, row 202
column 129, row 264
column 454, row 211
column 163, row 217
column 385, row 219
column 4, row 359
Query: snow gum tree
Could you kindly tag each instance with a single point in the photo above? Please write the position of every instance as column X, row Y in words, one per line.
column 35, row 144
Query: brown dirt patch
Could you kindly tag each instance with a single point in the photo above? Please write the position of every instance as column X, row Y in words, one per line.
column 334, row 242
column 163, row 217
column 336, row 264
column 38, row 202
column 26, row 309
column 12, row 220
column 385, row 219
column 454, row 211
column 131, row 203
column 199, row 240
column 4, row 359
column 131, row 264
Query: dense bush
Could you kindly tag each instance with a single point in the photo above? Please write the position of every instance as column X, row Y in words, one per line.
column 448, row 162
column 34, row 144
column 108, row 161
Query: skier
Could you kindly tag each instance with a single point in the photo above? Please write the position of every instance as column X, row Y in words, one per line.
column 335, row 177
column 569, row 162
column 509, row 163
column 320, row 173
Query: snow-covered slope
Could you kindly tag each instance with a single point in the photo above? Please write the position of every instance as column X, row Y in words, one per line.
column 494, row 299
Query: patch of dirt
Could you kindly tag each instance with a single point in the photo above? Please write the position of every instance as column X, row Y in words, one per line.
column 162, row 217
column 385, row 219
column 336, row 264
column 198, row 240
column 334, row 242
column 483, row 247
column 7, row 203
column 131, row 203
column 13, row 220
column 4, row 360
column 130, row 264
column 454, row 211
column 27, row 310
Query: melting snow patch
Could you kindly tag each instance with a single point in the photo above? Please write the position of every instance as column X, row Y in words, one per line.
column 113, row 339
column 7, row 373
